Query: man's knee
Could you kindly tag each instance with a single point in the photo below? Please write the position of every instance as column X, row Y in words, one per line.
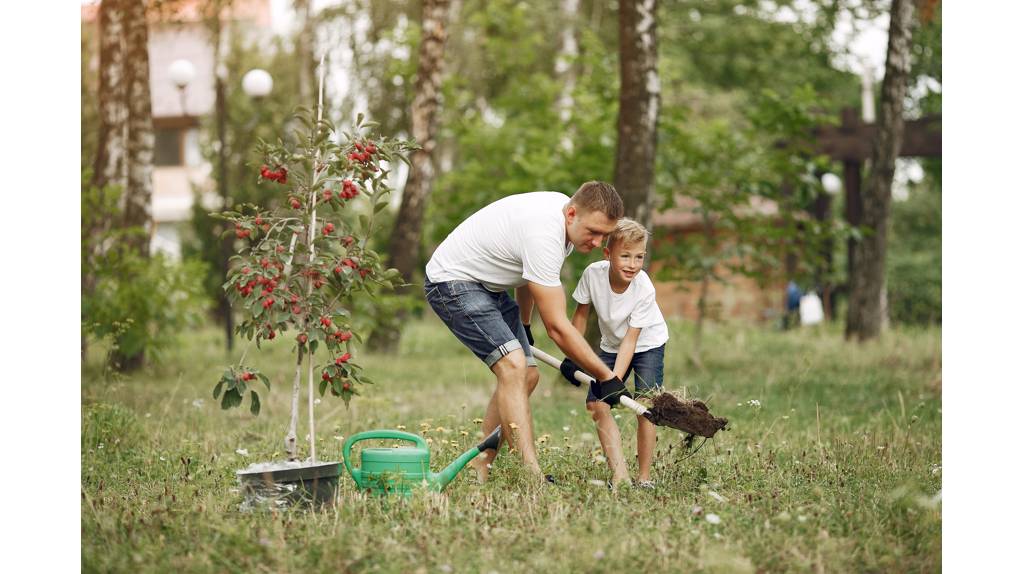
column 598, row 409
column 511, row 367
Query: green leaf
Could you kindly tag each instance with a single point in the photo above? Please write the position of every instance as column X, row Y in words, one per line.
column 380, row 207
column 313, row 345
column 323, row 387
column 230, row 399
column 217, row 389
column 254, row 407
column 265, row 380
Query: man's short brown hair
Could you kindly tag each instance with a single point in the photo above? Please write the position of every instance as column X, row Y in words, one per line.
column 628, row 231
column 599, row 196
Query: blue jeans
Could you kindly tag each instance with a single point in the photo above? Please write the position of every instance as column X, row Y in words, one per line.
column 486, row 322
column 648, row 370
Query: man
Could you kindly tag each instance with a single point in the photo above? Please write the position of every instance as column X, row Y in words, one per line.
column 521, row 242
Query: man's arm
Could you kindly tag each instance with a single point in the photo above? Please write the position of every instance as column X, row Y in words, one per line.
column 626, row 350
column 550, row 303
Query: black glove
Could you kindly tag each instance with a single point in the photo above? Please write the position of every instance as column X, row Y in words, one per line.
column 529, row 335
column 609, row 391
column 568, row 368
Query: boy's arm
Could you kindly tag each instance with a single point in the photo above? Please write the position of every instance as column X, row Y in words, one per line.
column 626, row 350
column 579, row 317
column 525, row 301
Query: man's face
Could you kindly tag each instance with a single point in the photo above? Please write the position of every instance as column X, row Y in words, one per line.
column 626, row 260
column 587, row 229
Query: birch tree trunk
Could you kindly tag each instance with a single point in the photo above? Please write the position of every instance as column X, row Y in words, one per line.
column 639, row 99
column 404, row 245
column 124, row 154
column 865, row 314
column 565, row 68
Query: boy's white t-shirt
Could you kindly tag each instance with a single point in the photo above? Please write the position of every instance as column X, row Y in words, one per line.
column 635, row 307
column 516, row 239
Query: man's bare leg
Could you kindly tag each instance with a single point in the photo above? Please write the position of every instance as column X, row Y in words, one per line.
column 482, row 463
column 611, row 440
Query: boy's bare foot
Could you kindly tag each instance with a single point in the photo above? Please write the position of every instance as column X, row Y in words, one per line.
column 482, row 465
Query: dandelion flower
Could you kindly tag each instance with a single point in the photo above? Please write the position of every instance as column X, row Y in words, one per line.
column 478, row 421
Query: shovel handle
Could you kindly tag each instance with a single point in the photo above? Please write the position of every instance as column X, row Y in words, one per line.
column 585, row 378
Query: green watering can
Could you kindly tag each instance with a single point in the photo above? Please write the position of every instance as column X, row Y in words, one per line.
column 400, row 470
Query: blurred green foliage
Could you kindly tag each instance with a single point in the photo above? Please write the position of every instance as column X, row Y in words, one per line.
column 139, row 304
column 914, row 263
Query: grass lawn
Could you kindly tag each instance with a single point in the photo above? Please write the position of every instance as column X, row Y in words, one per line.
column 837, row 470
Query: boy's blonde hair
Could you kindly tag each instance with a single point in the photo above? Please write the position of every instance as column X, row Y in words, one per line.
column 628, row 231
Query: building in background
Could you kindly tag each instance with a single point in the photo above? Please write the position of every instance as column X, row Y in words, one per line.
column 178, row 32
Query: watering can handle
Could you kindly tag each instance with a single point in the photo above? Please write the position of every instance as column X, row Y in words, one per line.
column 346, row 450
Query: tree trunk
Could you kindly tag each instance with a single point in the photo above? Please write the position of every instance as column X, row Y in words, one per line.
column 865, row 314
column 404, row 245
column 639, row 98
column 220, row 114
column 124, row 154
column 138, row 196
column 565, row 68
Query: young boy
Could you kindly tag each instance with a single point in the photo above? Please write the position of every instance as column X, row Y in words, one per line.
column 633, row 337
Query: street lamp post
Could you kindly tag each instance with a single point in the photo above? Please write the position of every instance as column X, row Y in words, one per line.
column 181, row 72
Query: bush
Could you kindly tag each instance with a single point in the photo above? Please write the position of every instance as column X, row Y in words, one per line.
column 915, row 259
column 139, row 304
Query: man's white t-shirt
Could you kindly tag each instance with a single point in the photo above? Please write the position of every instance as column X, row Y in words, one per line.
column 516, row 239
column 616, row 312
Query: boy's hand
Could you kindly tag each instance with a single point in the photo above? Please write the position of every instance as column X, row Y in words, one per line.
column 529, row 335
column 609, row 391
column 568, row 369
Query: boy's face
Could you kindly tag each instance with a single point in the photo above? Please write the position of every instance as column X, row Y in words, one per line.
column 626, row 259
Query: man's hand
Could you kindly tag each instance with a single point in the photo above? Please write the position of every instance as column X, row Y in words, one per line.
column 568, row 369
column 529, row 335
column 609, row 391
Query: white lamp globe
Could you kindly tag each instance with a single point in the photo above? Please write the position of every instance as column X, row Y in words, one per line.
column 257, row 83
column 181, row 73
column 831, row 183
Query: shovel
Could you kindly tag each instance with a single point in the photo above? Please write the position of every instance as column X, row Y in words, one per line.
column 690, row 416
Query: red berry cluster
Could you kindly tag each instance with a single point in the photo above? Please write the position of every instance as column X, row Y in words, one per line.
column 363, row 152
column 328, row 228
column 341, row 336
column 279, row 175
column 248, row 376
column 348, row 189
column 241, row 232
column 343, row 359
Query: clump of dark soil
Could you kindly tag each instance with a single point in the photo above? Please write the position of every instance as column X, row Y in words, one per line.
column 690, row 416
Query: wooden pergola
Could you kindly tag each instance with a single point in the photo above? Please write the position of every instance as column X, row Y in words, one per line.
column 851, row 142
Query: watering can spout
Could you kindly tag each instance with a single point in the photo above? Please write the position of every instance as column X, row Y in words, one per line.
column 441, row 479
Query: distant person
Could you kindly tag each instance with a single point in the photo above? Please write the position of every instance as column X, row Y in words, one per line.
column 520, row 242
column 793, row 295
column 633, row 337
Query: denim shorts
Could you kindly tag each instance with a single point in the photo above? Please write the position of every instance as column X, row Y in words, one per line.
column 486, row 322
column 648, row 370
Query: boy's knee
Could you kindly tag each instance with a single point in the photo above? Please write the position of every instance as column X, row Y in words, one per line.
column 532, row 378
column 598, row 409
